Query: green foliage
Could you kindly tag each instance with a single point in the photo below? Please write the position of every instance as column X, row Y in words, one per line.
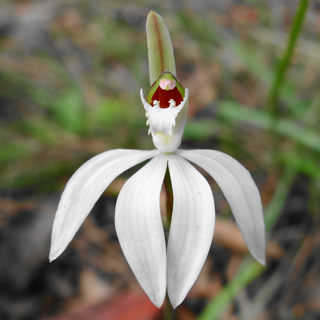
column 289, row 129
column 253, row 60
column 68, row 110
column 10, row 152
column 113, row 115
column 119, row 43
column 248, row 272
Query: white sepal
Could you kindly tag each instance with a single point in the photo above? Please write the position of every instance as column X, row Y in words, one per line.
column 241, row 192
column 84, row 189
column 191, row 230
column 140, row 230
column 166, row 124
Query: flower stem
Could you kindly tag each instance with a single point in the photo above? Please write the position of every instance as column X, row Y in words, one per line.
column 280, row 72
column 169, row 201
column 168, row 311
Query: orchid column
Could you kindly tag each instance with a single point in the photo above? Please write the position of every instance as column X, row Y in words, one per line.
column 159, row 268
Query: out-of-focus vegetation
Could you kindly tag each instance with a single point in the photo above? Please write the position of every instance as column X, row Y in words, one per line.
column 70, row 80
column 70, row 75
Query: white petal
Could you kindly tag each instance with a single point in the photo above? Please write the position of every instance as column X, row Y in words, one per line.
column 140, row 230
column 191, row 229
column 84, row 189
column 241, row 192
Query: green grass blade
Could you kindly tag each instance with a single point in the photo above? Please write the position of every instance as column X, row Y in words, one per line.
column 286, row 128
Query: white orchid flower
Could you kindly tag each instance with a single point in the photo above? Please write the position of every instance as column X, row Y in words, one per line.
column 159, row 267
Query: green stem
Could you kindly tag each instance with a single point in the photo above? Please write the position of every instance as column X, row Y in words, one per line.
column 169, row 200
column 246, row 275
column 168, row 311
column 272, row 102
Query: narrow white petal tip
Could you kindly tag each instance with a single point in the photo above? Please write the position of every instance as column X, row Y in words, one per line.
column 178, row 293
column 263, row 262
column 56, row 250
column 158, row 300
column 52, row 257
column 261, row 257
column 57, row 246
column 176, row 299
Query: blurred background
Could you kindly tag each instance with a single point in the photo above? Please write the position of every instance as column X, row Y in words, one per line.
column 70, row 75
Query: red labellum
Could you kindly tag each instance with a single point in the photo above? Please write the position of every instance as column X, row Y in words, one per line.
column 163, row 96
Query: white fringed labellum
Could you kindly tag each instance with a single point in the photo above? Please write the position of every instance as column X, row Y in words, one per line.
column 168, row 112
